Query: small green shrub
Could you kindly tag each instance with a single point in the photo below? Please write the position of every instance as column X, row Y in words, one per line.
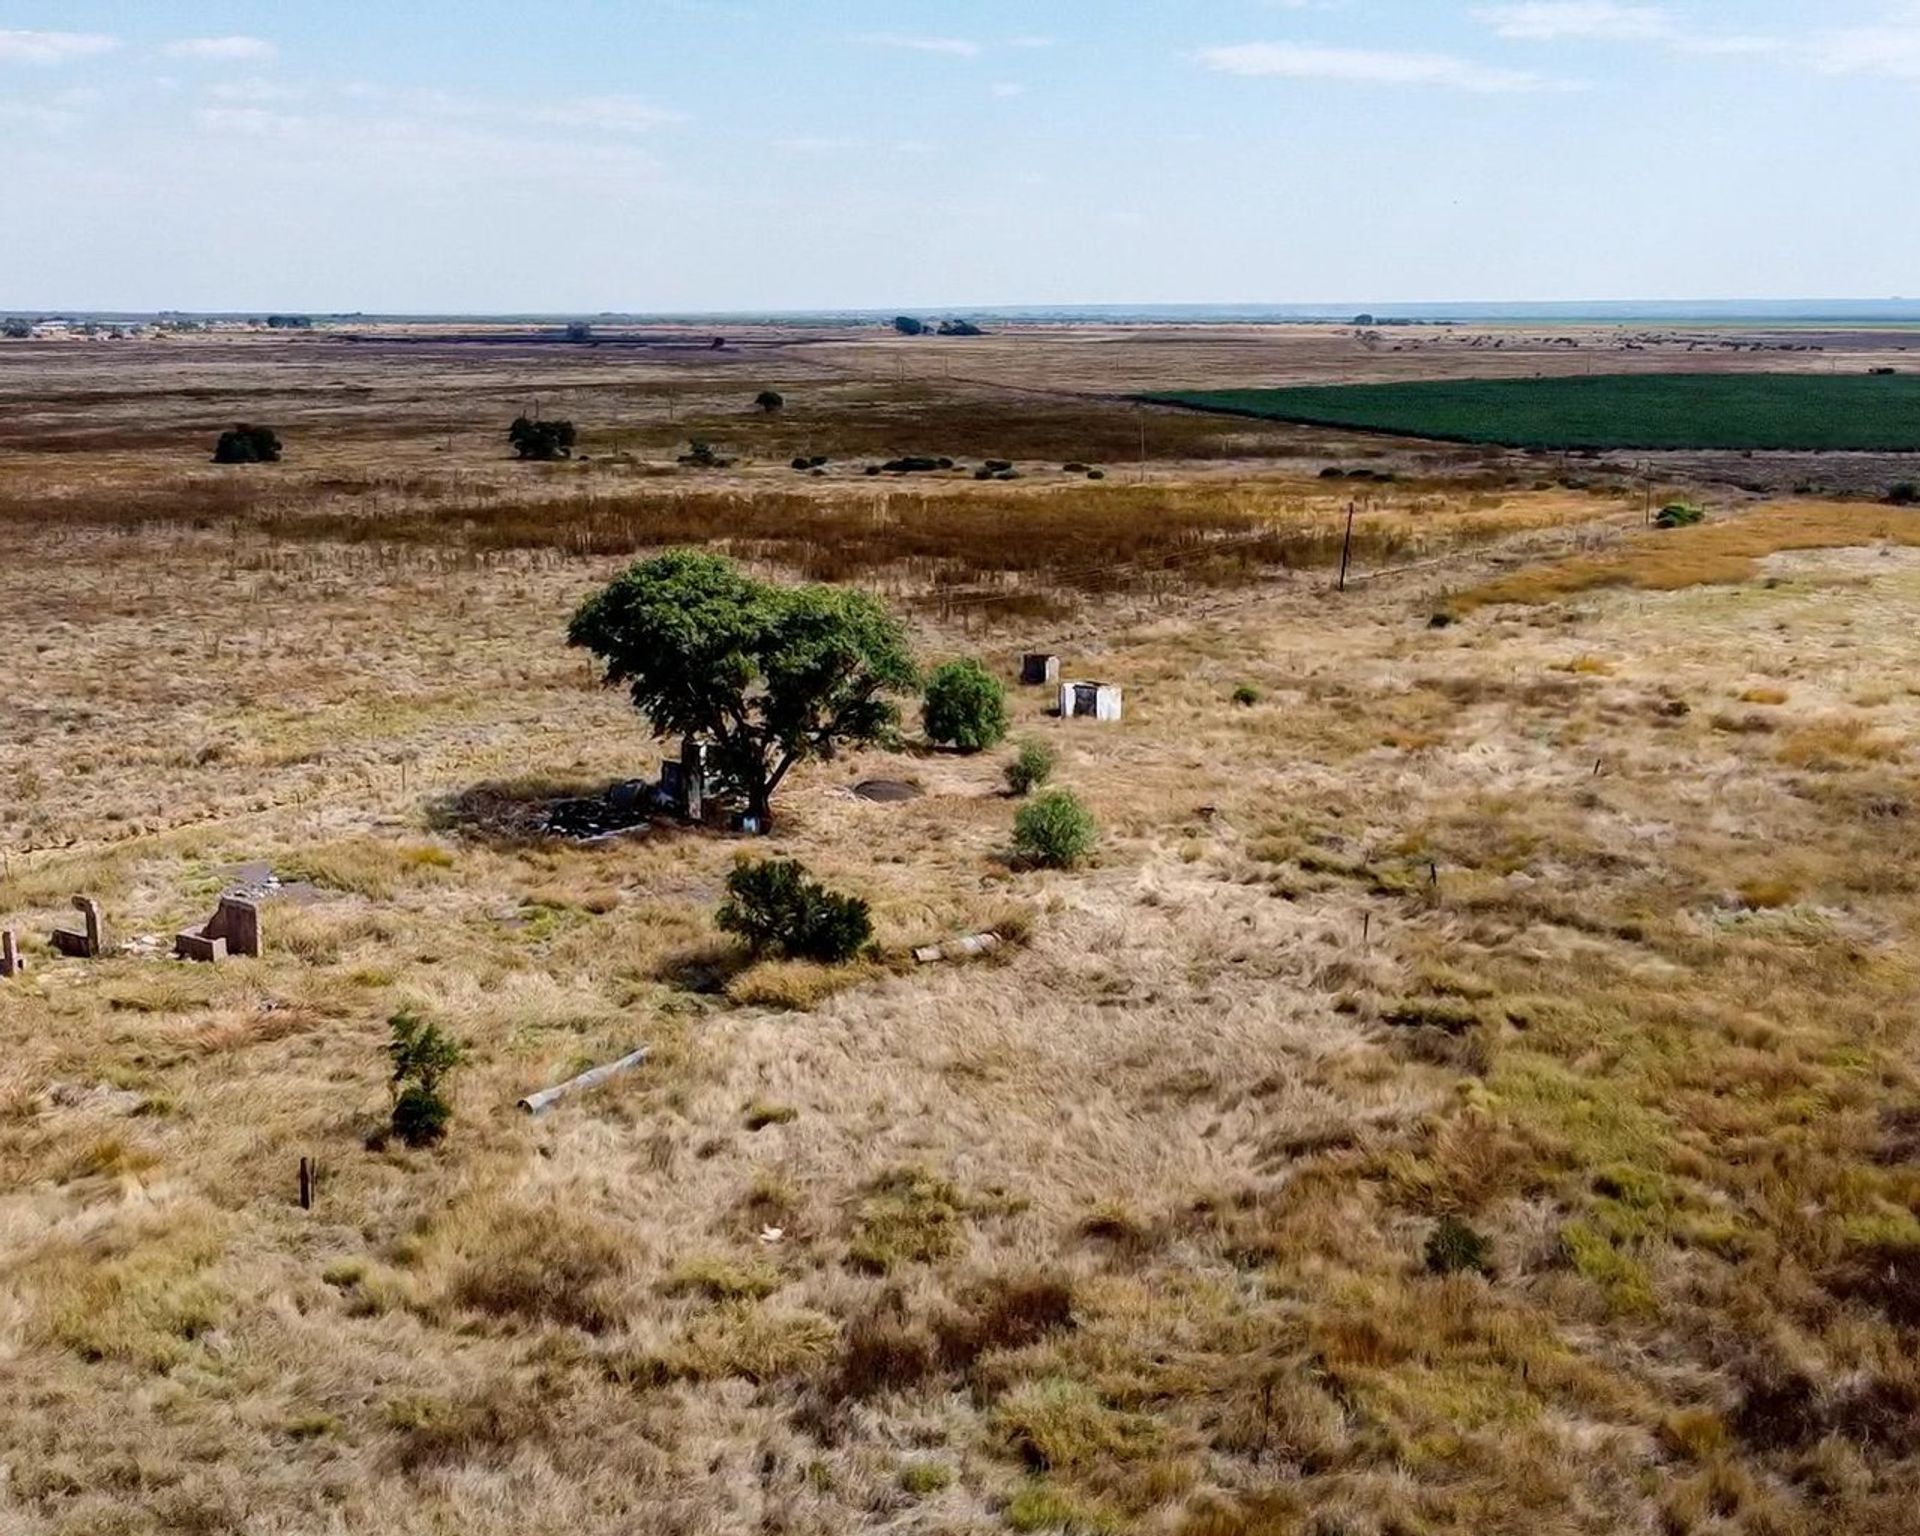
column 247, row 445
column 774, row 907
column 1031, row 767
column 769, row 400
column 1054, row 831
column 1679, row 514
column 1246, row 695
column 921, row 1478
column 1454, row 1247
column 542, row 441
column 422, row 1056
column 1905, row 494
column 965, row 706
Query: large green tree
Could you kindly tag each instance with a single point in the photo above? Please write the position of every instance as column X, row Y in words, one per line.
column 768, row 676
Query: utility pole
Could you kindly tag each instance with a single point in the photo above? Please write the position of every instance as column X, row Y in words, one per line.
column 1346, row 548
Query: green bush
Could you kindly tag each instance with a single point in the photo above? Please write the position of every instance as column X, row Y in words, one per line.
column 1031, row 767
column 422, row 1056
column 420, row 1116
column 1246, row 695
column 248, row 445
column 1905, row 494
column 1453, row 1247
column 769, row 400
column 775, row 908
column 1054, row 831
column 542, row 441
column 965, row 706
column 1679, row 514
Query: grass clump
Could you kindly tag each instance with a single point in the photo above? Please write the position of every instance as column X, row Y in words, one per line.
column 144, row 1306
column 925, row 1478
column 537, row 1264
column 1454, row 1248
column 756, row 1343
column 1246, row 695
column 1039, row 1506
column 965, row 707
column 1031, row 767
column 1054, row 831
column 722, row 1279
column 909, row 1216
column 1057, row 1424
column 759, row 1115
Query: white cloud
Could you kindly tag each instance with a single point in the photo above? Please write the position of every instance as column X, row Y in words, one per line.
column 617, row 114
column 1891, row 49
column 253, row 91
column 249, row 122
column 53, row 113
column 221, row 49
column 955, row 47
column 53, row 47
column 816, row 144
column 1550, row 20
column 1360, row 66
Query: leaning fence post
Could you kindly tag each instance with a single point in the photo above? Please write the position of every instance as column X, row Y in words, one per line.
column 1346, row 548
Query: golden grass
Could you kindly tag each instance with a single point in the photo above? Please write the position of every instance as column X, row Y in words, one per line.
column 1122, row 1230
column 1726, row 551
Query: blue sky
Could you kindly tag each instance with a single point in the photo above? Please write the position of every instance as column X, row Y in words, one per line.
column 580, row 155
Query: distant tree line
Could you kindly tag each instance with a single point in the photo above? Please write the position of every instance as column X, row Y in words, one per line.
column 906, row 325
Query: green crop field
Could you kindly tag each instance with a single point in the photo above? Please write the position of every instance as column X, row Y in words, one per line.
column 1865, row 412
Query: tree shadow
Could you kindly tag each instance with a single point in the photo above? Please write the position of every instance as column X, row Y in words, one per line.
column 537, row 811
column 703, row 968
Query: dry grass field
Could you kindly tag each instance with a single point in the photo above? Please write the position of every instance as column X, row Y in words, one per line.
column 1555, row 885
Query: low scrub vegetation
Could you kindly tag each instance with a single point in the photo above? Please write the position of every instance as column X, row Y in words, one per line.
column 1031, row 767
column 1054, row 830
column 247, row 445
column 775, row 909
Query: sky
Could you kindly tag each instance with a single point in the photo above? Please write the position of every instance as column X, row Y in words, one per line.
column 578, row 156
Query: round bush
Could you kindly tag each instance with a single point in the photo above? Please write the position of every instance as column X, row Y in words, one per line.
column 420, row 1116
column 1054, row 831
column 1031, row 767
column 774, row 907
column 965, row 707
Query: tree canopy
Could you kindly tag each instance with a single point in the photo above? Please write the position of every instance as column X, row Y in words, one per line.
column 544, row 440
column 768, row 676
column 247, row 445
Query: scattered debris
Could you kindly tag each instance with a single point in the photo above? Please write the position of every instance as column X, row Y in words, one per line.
column 234, row 929
column 1037, row 669
column 91, row 942
column 256, row 881
column 1092, row 701
column 886, row 791
column 958, row 949
column 539, row 1103
column 622, row 810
